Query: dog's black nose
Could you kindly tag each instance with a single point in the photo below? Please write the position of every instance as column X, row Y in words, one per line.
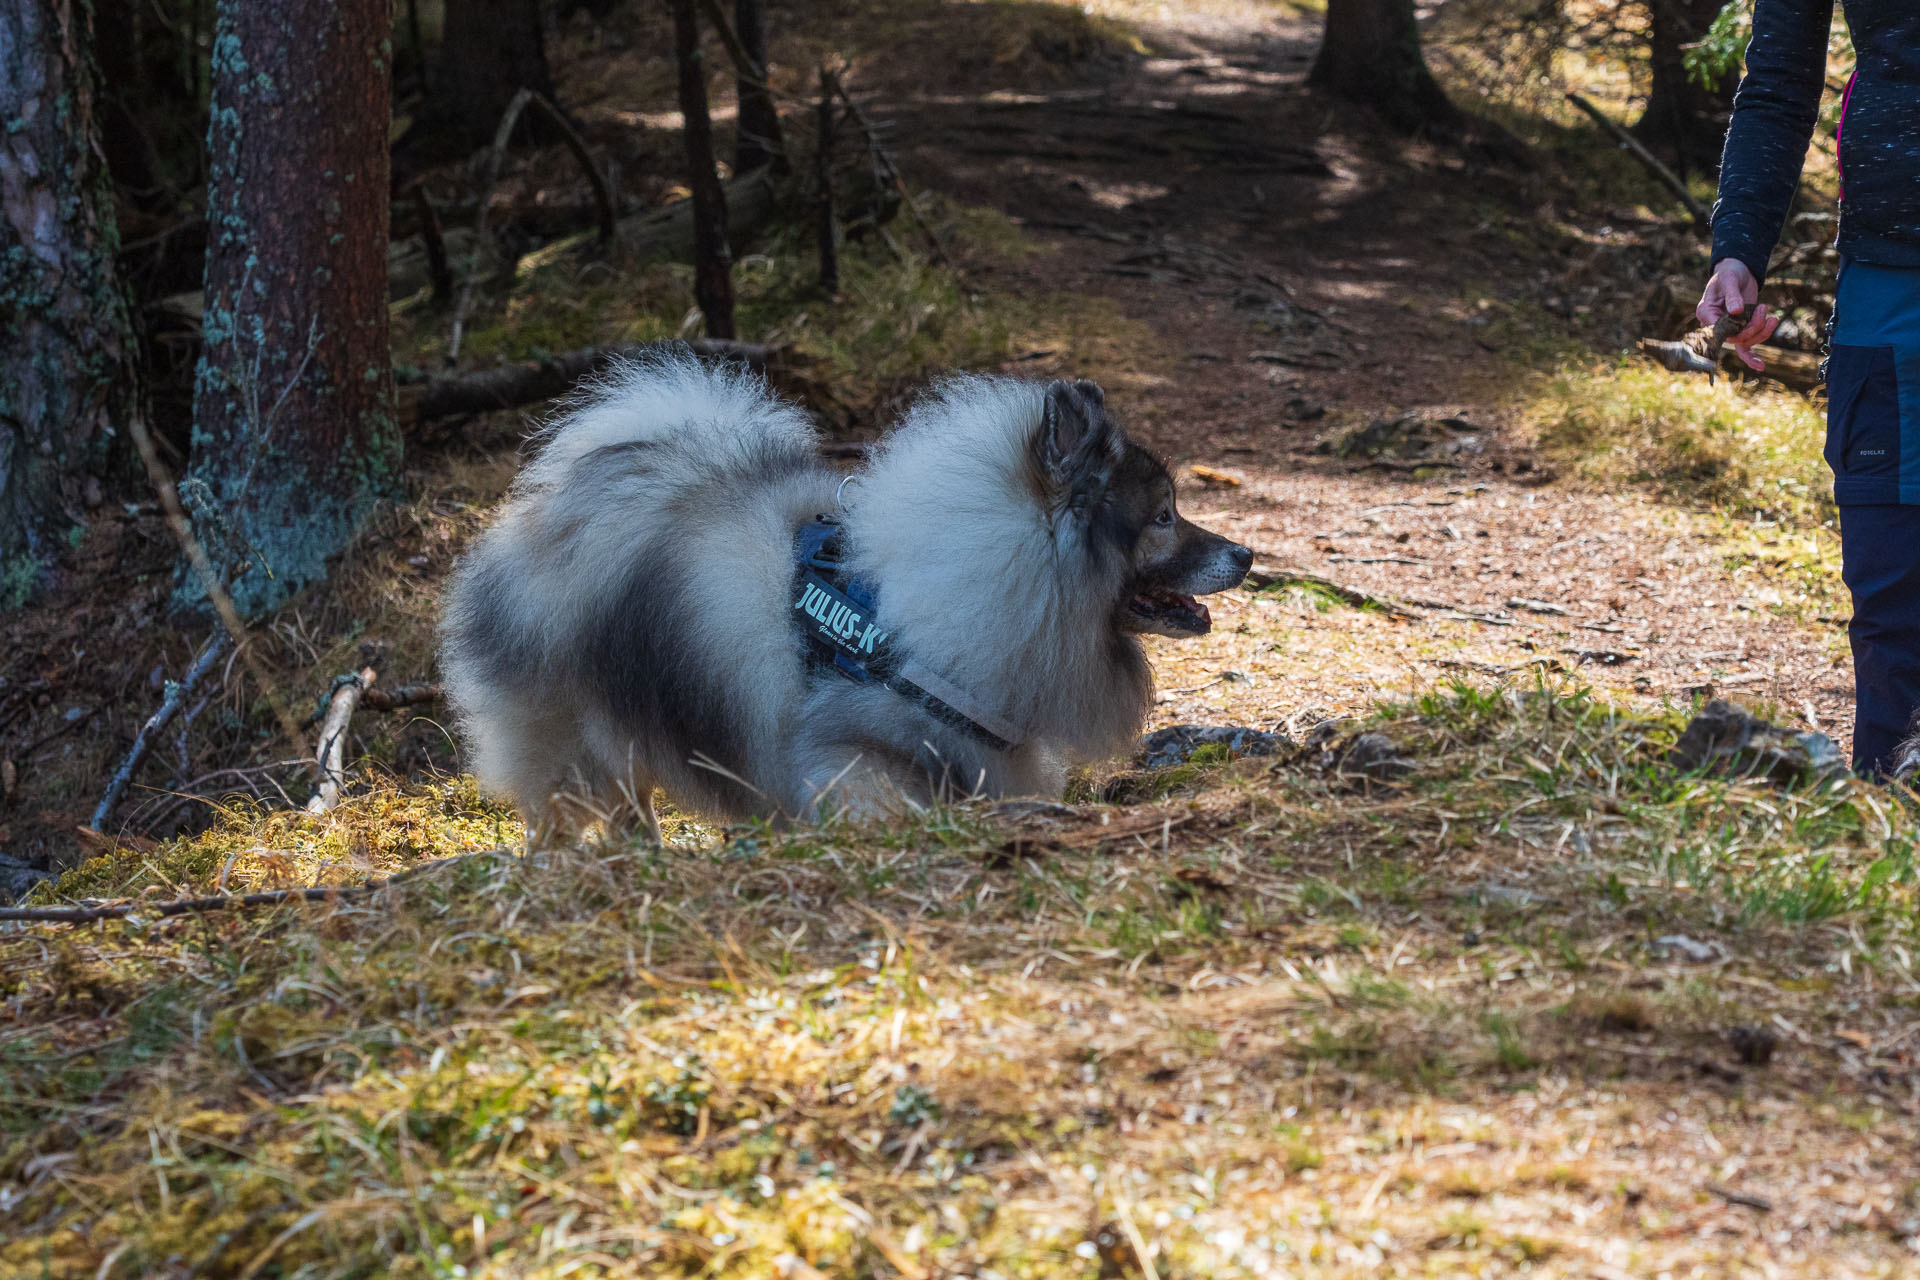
column 1243, row 558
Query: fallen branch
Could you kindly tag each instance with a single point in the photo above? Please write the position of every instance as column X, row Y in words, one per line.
column 330, row 758
column 531, row 381
column 228, row 901
column 143, row 741
column 434, row 240
column 1701, row 221
column 401, row 696
column 1268, row 575
column 196, row 553
column 1745, row 1200
column 890, row 175
column 496, row 156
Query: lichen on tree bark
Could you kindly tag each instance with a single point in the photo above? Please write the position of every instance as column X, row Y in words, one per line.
column 294, row 439
column 69, row 376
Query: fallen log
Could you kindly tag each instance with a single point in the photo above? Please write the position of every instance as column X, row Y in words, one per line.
column 526, row 382
column 666, row 232
column 228, row 901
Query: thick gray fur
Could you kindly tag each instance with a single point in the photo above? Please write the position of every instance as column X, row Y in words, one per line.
column 626, row 621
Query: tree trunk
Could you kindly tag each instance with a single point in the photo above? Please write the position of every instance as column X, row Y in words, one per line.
column 1682, row 119
column 294, row 439
column 759, row 142
column 490, row 50
column 1371, row 54
column 712, row 256
column 69, row 379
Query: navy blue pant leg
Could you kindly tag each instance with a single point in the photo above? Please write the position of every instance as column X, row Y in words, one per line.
column 1880, row 562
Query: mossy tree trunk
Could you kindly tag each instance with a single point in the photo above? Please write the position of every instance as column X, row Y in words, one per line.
column 1370, row 54
column 68, row 360
column 294, row 437
column 1682, row 119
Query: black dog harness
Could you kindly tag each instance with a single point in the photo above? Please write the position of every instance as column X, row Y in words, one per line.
column 837, row 617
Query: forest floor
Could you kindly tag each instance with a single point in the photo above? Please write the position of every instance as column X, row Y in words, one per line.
column 1540, row 1004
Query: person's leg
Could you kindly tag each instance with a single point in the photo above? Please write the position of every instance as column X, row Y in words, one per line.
column 1880, row 562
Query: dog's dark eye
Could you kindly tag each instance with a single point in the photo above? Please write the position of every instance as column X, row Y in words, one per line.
column 1165, row 517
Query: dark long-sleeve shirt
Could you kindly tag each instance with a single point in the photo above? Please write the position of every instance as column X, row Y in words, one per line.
column 1773, row 118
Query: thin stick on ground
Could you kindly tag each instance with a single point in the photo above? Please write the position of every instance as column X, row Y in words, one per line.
column 890, row 173
column 1273, row 575
column 330, row 758
column 400, row 697
column 1660, row 171
column 228, row 901
column 196, row 554
column 143, row 741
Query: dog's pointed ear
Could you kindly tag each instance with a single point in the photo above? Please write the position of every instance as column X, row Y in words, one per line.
column 1077, row 445
column 1073, row 422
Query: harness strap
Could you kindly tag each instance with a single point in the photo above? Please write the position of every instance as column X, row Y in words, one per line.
column 840, row 628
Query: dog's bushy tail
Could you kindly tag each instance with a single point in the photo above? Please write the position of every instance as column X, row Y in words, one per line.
column 703, row 409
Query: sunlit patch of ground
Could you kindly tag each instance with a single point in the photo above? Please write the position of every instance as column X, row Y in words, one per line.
column 1279, row 1022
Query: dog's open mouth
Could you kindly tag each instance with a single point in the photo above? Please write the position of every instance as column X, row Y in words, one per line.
column 1166, row 613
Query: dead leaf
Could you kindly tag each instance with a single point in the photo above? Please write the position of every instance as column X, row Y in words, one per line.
column 1215, row 476
column 1200, row 878
column 1858, row 1039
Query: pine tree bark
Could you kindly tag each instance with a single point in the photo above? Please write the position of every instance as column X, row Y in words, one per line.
column 490, row 50
column 1371, row 54
column 69, row 377
column 759, row 142
column 1682, row 119
column 712, row 255
column 294, row 436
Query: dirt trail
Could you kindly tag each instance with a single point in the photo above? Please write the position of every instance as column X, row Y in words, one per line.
column 1298, row 284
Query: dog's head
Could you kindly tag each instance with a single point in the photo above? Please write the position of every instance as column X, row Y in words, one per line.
column 1121, row 496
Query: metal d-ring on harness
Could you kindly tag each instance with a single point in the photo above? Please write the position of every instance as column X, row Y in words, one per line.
column 837, row 617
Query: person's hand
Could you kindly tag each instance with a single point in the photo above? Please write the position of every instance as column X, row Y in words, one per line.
column 1732, row 291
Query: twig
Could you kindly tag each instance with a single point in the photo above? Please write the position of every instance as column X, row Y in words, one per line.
column 744, row 66
column 406, row 695
column 436, row 245
column 143, row 741
column 829, row 223
column 1268, row 575
column 330, row 758
column 596, row 177
column 891, row 171
column 496, row 156
column 196, row 555
column 227, row 901
column 1666, row 176
column 1741, row 1198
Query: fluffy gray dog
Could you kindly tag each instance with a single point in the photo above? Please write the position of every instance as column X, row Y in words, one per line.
column 657, row 604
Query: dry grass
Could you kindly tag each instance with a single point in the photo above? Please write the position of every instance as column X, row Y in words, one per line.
column 1277, row 1023
column 1747, row 449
